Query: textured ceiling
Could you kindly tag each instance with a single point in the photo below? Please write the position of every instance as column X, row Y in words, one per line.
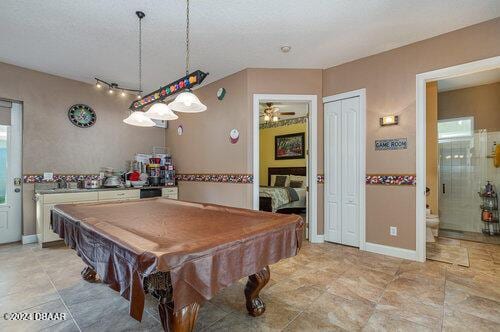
column 83, row 39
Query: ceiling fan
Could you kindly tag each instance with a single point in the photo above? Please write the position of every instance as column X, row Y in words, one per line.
column 272, row 113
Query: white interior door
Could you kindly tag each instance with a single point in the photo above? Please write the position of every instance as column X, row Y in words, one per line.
column 350, row 171
column 10, row 171
column 333, row 122
column 342, row 171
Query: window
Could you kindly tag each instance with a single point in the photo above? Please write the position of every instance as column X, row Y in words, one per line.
column 456, row 128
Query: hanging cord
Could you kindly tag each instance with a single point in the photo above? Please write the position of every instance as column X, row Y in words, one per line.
column 187, row 37
column 140, row 55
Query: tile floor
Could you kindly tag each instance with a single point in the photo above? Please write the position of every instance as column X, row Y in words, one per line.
column 327, row 287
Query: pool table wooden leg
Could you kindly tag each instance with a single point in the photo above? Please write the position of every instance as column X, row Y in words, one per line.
column 182, row 320
column 255, row 283
column 89, row 274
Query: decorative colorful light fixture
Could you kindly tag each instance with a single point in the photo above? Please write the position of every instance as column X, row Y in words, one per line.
column 186, row 101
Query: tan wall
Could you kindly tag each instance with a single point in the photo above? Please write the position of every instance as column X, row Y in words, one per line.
column 205, row 147
column 482, row 102
column 292, row 81
column 266, row 149
column 432, row 146
column 389, row 79
column 52, row 143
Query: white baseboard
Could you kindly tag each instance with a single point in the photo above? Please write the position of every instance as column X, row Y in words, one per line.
column 317, row 239
column 30, row 239
column 391, row 251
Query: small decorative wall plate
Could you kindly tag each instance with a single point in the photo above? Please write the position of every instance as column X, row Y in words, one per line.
column 221, row 93
column 234, row 136
column 82, row 116
column 180, row 130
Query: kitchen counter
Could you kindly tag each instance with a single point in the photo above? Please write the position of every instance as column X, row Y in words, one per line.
column 80, row 190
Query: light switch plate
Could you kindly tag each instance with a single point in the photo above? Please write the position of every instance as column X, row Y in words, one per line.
column 394, row 231
column 48, row 176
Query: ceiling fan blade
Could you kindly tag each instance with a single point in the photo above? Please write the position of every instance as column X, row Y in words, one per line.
column 287, row 113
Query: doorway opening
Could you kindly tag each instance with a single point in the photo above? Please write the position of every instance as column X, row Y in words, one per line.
column 284, row 157
column 455, row 159
column 10, row 171
column 345, row 170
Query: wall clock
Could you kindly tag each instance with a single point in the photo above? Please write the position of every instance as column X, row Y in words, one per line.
column 82, row 115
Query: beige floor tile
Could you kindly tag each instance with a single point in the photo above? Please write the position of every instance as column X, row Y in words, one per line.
column 344, row 313
column 429, row 291
column 294, row 292
column 307, row 321
column 381, row 321
column 411, row 309
column 459, row 299
column 455, row 321
column 361, row 284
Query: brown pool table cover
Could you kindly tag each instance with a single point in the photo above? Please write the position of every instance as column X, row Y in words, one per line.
column 205, row 247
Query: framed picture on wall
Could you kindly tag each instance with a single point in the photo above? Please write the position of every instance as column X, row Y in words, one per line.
column 291, row 146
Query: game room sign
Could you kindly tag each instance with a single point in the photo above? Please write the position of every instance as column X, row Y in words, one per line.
column 391, row 144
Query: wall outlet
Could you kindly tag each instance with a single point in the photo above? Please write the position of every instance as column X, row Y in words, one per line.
column 393, row 231
column 48, row 176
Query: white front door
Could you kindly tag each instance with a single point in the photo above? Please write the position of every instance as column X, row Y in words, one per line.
column 10, row 171
column 342, row 171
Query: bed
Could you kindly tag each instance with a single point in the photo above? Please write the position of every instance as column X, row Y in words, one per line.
column 280, row 197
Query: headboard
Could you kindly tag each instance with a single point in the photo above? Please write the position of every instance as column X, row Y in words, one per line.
column 285, row 171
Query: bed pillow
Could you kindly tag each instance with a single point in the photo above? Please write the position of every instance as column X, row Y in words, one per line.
column 280, row 181
column 299, row 178
column 296, row 184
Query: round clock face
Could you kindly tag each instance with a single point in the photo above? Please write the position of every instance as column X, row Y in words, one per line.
column 82, row 116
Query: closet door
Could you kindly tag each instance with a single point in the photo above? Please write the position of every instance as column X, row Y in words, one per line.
column 332, row 152
column 350, row 171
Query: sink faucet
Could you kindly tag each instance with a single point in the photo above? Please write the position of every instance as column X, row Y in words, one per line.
column 62, row 184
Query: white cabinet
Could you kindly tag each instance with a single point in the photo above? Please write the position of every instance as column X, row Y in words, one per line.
column 46, row 202
column 171, row 192
column 119, row 195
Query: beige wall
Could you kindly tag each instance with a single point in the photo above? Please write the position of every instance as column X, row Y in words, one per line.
column 432, row 146
column 52, row 143
column 205, row 147
column 482, row 102
column 389, row 79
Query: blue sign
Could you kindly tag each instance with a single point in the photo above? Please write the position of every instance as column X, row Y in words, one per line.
column 391, row 144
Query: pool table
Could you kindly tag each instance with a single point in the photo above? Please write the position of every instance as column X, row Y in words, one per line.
column 182, row 253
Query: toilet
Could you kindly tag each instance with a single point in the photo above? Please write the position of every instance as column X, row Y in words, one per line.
column 432, row 226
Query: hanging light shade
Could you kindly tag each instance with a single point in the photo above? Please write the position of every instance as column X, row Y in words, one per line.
column 138, row 118
column 187, row 102
column 160, row 111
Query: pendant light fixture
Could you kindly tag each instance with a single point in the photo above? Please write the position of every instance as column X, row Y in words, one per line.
column 186, row 101
column 137, row 118
column 160, row 111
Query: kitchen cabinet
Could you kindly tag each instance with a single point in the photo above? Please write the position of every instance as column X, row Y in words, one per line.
column 171, row 192
column 118, row 195
column 46, row 202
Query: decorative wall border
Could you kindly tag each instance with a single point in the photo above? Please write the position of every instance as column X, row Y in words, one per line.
column 281, row 123
column 38, row 178
column 218, row 178
column 391, row 179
